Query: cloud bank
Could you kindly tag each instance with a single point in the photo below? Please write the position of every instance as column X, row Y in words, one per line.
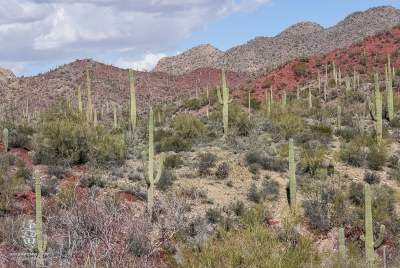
column 139, row 32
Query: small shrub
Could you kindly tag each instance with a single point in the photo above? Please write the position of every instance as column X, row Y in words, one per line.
column 252, row 157
column 229, row 183
column 300, row 69
column 266, row 83
column 303, row 59
column 174, row 143
column 393, row 161
column 134, row 176
column 173, row 161
column 363, row 60
column 137, row 243
column 49, row 187
column 214, row 215
column 238, row 208
column 274, row 164
column 372, row 178
column 222, row 171
column 56, row 170
column 270, row 189
column 356, row 193
column 254, row 168
column 166, row 179
column 23, row 171
column 319, row 61
column 317, row 212
column 376, row 157
column 253, row 194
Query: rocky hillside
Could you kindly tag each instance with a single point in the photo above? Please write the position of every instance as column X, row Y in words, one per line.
column 303, row 38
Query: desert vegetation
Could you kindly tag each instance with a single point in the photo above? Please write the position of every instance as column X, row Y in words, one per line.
column 303, row 175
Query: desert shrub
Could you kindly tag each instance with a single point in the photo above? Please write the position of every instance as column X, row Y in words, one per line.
column 64, row 135
column 17, row 140
column 173, row 161
column 137, row 243
column 253, row 194
column 319, row 61
column 270, row 189
column 56, row 170
column 244, row 125
column 166, row 179
column 255, row 103
column 393, row 161
column 206, row 161
column 266, row 83
column 49, row 187
column 289, row 123
column 356, row 193
column 173, row 143
column 300, row 69
column 23, row 171
column 395, row 122
column 349, row 133
column 9, row 186
column 238, row 208
column 6, row 160
column 377, row 156
column 188, row 126
column 353, row 153
column 222, row 171
column 312, row 154
column 354, row 53
column 274, row 163
column 193, row 104
column 91, row 181
column 134, row 176
column 160, row 134
column 317, row 212
column 254, row 168
column 372, row 178
column 364, row 60
column 214, row 215
column 339, row 212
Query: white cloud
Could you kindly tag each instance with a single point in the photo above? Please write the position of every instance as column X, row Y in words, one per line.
column 147, row 62
column 44, row 31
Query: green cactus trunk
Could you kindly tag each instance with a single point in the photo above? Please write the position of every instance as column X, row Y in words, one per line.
column 115, row 116
column 272, row 100
column 340, row 77
column 371, row 108
column 378, row 100
column 207, row 111
column 298, row 95
column 370, row 246
column 148, row 167
column 390, row 92
column 284, row 99
column 80, row 99
column 89, row 98
column 95, row 118
column 133, row 98
column 342, row 246
column 224, row 101
column 325, row 91
column 41, row 239
column 269, row 103
column 319, row 82
column 292, row 176
column 347, row 83
column 5, row 139
column 354, row 78
column 334, row 72
column 249, row 103
column 309, row 99
column 358, row 81
column 339, row 113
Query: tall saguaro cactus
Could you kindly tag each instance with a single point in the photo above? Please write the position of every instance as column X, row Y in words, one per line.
column 224, row 101
column 298, row 95
column 269, row 103
column 148, row 167
column 5, row 139
column 133, row 98
column 80, row 99
column 390, row 92
column 339, row 113
column 342, row 246
column 115, row 116
column 309, row 99
column 378, row 99
column 292, row 176
column 370, row 246
column 41, row 239
column 89, row 98
column 334, row 72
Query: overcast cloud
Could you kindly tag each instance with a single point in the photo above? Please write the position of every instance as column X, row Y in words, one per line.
column 139, row 33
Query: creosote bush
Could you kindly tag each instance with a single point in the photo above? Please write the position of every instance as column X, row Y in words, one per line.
column 222, row 171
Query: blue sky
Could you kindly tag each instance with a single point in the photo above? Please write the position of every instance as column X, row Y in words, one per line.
column 37, row 35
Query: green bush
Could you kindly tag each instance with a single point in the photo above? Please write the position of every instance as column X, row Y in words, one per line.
column 188, row 126
column 266, row 83
column 166, row 179
column 356, row 193
column 377, row 156
column 312, row 154
column 173, row 143
column 64, row 135
column 372, row 178
column 255, row 103
column 301, row 69
column 214, row 215
column 173, row 161
column 353, row 153
column 270, row 189
column 289, row 123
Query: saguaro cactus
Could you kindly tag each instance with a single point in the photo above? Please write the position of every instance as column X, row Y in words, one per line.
column 148, row 167
column 224, row 102
column 298, row 95
column 41, row 239
column 133, row 98
column 309, row 99
column 284, row 99
column 378, row 100
column 5, row 139
column 342, row 246
column 354, row 78
column 80, row 99
column 334, row 72
column 370, row 246
column 339, row 113
column 115, row 116
column 347, row 83
column 89, row 98
column 325, row 91
column 340, row 77
column 95, row 118
column 292, row 176
column 390, row 92
column 319, row 82
column 371, row 108
column 269, row 103
column 207, row 110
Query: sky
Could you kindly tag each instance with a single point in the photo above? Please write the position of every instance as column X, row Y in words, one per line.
column 39, row 35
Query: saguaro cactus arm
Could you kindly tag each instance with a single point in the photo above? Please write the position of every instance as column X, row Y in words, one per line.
column 292, row 176
column 342, row 247
column 219, row 96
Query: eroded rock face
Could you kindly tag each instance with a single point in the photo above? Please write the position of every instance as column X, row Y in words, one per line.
column 6, row 74
column 303, row 38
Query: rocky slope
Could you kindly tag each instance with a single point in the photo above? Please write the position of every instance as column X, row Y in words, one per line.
column 303, row 38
